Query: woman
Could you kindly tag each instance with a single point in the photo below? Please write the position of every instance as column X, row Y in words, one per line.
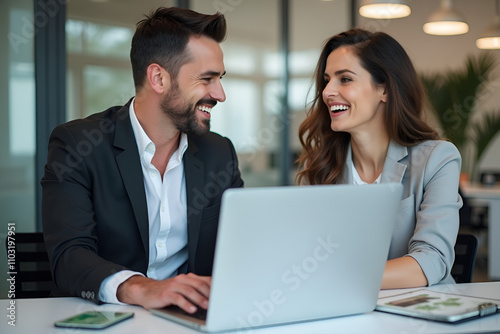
column 365, row 126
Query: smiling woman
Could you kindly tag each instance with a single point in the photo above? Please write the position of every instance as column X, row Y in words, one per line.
column 365, row 126
column 356, row 103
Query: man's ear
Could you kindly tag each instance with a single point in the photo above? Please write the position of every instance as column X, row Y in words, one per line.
column 158, row 78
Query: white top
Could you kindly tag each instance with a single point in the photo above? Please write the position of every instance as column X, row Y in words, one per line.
column 167, row 214
column 356, row 179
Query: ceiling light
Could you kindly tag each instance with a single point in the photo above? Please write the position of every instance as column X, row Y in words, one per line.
column 384, row 9
column 446, row 21
column 490, row 38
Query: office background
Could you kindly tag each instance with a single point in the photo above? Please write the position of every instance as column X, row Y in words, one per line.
column 63, row 60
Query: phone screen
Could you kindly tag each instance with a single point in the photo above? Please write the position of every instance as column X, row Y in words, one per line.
column 94, row 319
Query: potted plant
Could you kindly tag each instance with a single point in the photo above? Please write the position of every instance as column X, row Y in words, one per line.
column 453, row 96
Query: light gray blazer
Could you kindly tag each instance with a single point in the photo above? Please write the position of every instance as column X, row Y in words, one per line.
column 428, row 221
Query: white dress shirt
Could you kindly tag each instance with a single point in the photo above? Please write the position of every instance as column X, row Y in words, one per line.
column 167, row 214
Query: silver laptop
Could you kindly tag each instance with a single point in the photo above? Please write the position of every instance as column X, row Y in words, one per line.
column 290, row 254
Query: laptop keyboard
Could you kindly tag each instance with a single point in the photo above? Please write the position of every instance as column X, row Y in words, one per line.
column 199, row 314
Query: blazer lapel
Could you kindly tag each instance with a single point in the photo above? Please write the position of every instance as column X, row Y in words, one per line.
column 195, row 198
column 393, row 169
column 129, row 164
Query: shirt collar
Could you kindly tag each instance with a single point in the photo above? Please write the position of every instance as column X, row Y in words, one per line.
column 183, row 145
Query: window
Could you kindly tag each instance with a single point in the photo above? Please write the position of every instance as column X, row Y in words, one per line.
column 99, row 73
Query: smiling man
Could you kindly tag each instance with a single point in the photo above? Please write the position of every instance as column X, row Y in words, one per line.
column 131, row 195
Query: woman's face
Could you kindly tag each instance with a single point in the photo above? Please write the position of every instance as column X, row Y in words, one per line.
column 355, row 102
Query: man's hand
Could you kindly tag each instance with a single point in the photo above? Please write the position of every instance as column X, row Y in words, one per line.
column 186, row 291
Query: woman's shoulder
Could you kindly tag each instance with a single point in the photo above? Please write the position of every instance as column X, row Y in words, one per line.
column 433, row 147
column 433, row 155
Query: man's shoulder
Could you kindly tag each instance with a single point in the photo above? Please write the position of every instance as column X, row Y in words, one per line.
column 110, row 115
column 211, row 148
column 209, row 141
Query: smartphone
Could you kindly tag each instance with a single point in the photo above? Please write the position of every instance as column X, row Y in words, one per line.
column 94, row 319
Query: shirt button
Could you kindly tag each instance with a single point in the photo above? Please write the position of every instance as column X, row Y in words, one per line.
column 162, row 208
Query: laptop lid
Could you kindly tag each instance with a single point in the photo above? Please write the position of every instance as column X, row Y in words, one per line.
column 290, row 254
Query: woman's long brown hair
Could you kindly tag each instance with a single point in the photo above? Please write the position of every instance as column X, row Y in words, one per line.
column 324, row 151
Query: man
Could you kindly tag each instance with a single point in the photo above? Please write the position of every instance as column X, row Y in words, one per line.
column 131, row 195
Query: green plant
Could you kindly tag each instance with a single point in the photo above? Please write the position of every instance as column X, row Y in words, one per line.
column 483, row 132
column 454, row 95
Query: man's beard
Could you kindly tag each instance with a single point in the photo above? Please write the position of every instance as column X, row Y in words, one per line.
column 184, row 118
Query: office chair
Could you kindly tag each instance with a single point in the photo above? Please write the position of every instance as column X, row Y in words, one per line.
column 465, row 257
column 472, row 217
column 33, row 278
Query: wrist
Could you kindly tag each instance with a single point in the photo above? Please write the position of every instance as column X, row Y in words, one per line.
column 128, row 291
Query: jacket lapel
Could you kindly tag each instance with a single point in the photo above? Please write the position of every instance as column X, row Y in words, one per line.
column 129, row 164
column 393, row 169
column 194, row 170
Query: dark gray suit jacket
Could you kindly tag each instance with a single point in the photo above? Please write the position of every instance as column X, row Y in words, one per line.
column 94, row 210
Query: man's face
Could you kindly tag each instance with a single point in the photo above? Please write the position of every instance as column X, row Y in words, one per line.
column 197, row 88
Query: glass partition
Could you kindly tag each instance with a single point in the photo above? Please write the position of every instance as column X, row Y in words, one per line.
column 17, row 124
column 98, row 37
column 251, row 57
column 311, row 24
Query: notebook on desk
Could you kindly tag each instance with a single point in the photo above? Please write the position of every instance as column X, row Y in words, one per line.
column 290, row 254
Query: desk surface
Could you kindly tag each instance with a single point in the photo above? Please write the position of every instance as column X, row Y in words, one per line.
column 478, row 190
column 38, row 316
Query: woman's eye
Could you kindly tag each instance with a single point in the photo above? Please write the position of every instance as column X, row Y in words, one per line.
column 345, row 79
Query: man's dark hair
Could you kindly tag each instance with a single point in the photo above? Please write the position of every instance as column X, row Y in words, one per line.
column 162, row 38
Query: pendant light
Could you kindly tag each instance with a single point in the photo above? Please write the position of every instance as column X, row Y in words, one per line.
column 446, row 21
column 384, row 9
column 490, row 38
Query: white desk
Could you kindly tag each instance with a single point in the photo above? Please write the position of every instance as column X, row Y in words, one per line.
column 38, row 316
column 492, row 196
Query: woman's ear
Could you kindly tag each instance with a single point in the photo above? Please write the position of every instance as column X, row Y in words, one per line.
column 383, row 97
column 158, row 78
